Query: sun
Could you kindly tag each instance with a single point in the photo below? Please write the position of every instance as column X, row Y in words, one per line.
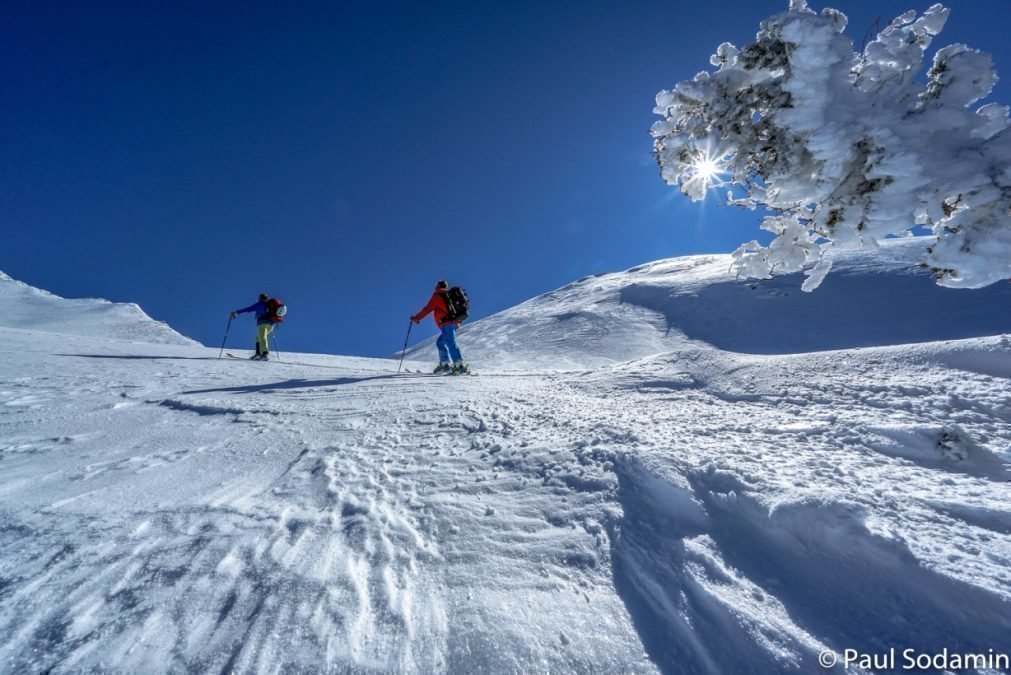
column 707, row 169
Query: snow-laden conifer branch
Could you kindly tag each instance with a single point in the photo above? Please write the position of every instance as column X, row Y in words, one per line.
column 846, row 148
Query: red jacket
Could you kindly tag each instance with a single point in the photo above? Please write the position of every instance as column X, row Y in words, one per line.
column 437, row 305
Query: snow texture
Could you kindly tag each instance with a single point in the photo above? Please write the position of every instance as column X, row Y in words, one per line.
column 846, row 149
column 658, row 505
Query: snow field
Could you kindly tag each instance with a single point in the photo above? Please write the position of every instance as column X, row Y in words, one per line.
column 518, row 517
column 683, row 510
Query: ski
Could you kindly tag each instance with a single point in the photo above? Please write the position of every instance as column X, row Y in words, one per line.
column 245, row 358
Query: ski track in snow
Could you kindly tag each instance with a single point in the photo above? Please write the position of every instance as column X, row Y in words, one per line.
column 697, row 511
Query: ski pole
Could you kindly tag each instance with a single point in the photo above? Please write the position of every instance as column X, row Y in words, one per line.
column 274, row 333
column 404, row 350
column 225, row 339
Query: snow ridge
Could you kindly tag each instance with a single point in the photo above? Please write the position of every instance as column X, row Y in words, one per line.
column 871, row 299
column 30, row 308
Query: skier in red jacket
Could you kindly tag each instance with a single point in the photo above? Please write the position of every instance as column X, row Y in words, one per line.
column 450, row 360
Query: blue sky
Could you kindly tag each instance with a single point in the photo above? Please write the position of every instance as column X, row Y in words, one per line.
column 343, row 156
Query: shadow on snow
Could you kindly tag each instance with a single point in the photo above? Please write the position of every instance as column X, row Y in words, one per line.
column 298, row 383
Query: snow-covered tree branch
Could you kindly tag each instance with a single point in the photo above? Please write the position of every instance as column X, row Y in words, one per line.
column 845, row 148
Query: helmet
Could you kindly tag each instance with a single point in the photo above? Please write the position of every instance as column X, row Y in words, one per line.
column 441, row 283
column 264, row 297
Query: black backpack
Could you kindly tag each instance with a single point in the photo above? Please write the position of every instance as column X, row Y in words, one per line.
column 457, row 304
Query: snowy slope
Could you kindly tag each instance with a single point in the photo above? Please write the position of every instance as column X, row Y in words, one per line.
column 29, row 308
column 691, row 511
column 871, row 298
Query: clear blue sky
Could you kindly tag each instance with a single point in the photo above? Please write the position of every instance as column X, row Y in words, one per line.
column 343, row 156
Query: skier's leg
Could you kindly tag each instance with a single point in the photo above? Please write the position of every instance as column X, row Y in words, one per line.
column 454, row 351
column 262, row 331
column 441, row 346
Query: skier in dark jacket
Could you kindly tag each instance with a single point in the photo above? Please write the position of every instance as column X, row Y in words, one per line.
column 264, row 325
column 450, row 360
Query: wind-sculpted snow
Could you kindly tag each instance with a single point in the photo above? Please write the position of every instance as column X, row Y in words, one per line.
column 28, row 308
column 871, row 299
column 692, row 511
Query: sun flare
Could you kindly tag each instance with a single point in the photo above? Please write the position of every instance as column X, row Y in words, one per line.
column 706, row 169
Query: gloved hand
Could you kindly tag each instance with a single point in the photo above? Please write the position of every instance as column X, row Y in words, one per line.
column 232, row 315
column 415, row 319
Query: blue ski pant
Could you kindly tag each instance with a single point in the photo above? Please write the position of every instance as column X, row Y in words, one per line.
column 448, row 351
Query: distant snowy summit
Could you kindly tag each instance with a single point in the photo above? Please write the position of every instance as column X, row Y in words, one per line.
column 25, row 307
column 872, row 298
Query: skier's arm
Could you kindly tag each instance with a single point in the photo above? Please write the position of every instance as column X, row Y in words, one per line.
column 251, row 308
column 429, row 308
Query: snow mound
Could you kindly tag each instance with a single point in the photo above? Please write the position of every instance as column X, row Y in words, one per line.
column 25, row 307
column 877, row 298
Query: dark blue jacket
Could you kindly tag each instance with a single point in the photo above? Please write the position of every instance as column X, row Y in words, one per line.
column 261, row 311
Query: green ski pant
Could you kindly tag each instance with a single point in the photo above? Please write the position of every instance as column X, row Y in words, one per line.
column 262, row 331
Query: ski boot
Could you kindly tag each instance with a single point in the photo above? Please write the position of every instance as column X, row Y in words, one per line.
column 442, row 368
column 264, row 357
column 256, row 357
column 461, row 369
